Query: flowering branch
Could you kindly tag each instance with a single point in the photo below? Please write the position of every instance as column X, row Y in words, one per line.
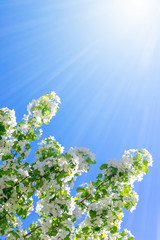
column 51, row 176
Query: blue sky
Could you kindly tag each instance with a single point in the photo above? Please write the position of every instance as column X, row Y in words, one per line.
column 102, row 59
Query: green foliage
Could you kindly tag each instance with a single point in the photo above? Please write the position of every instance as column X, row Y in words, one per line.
column 51, row 175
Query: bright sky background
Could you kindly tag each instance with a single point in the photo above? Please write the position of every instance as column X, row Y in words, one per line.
column 103, row 59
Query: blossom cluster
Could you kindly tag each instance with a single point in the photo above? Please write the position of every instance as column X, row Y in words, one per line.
column 105, row 199
column 50, row 178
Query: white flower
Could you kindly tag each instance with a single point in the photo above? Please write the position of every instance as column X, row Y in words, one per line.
column 23, row 172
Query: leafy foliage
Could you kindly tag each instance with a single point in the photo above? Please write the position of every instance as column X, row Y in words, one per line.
column 51, row 176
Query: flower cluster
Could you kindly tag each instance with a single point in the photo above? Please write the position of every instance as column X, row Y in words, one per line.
column 7, row 127
column 105, row 199
column 50, row 178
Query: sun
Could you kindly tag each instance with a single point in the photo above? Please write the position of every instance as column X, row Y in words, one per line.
column 120, row 18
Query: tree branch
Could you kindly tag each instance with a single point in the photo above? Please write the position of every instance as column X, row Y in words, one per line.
column 30, row 233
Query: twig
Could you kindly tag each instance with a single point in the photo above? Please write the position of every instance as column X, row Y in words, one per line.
column 31, row 232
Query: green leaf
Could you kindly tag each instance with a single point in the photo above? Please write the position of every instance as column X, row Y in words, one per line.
column 80, row 189
column 24, row 214
column 16, row 235
column 67, row 237
column 10, row 182
column 26, row 164
column 93, row 183
column 54, row 231
column 99, row 176
column 85, row 229
column 114, row 170
column 84, row 194
column 29, row 202
column 103, row 166
column 4, row 224
column 113, row 229
column 2, row 128
column 127, row 206
column 145, row 162
column 21, row 123
column 97, row 196
column 145, row 168
column 27, row 146
column 6, row 156
column 123, row 234
column 92, row 214
column 19, row 211
column 20, row 137
column 89, row 160
column 139, row 152
column 97, row 229
column 39, row 184
column 7, row 191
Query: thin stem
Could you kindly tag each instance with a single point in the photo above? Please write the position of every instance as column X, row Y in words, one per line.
column 30, row 233
column 21, row 181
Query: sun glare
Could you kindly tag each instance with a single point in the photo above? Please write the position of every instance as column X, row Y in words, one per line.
column 136, row 11
column 120, row 18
